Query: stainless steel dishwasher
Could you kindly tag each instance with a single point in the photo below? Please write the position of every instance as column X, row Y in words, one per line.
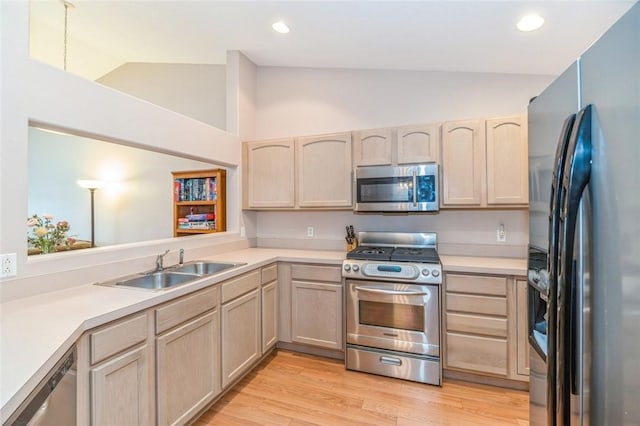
column 53, row 402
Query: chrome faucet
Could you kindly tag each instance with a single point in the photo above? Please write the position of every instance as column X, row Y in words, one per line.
column 159, row 260
column 181, row 261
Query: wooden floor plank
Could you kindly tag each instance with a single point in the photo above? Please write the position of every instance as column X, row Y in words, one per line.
column 291, row 389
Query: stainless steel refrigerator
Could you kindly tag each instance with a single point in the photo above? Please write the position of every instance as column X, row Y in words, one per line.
column 584, row 237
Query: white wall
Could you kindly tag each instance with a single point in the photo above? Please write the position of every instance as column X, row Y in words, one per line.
column 37, row 92
column 137, row 203
column 301, row 101
column 195, row 90
column 296, row 102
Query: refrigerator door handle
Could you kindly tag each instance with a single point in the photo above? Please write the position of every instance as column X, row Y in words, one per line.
column 577, row 172
column 553, row 264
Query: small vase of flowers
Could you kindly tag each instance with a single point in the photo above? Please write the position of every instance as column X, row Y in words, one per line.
column 45, row 235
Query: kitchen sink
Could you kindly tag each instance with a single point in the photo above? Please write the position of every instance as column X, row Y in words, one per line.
column 200, row 267
column 156, row 281
column 172, row 276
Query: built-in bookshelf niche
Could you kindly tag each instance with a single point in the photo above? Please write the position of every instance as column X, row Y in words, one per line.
column 199, row 202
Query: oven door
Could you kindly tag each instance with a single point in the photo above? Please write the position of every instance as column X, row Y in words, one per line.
column 401, row 188
column 396, row 316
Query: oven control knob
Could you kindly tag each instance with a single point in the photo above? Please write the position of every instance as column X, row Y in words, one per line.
column 425, row 272
column 435, row 273
column 355, row 268
column 347, row 268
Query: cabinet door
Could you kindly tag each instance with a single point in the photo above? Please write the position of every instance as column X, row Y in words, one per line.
column 270, row 174
column 269, row 315
column 317, row 314
column 373, row 147
column 120, row 390
column 522, row 329
column 324, row 171
column 418, row 144
column 507, row 161
column 241, row 344
column 188, row 369
column 477, row 353
column 463, row 163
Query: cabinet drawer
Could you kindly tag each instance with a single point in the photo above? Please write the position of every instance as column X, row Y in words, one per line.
column 478, row 354
column 494, row 286
column 184, row 309
column 476, row 324
column 486, row 305
column 117, row 337
column 316, row 273
column 241, row 285
column 269, row 273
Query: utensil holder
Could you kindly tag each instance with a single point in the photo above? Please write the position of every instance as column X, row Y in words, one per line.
column 352, row 245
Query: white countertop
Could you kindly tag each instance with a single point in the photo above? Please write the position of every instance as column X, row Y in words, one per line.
column 484, row 265
column 37, row 331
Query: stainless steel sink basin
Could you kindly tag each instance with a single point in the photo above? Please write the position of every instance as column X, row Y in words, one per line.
column 172, row 276
column 157, row 280
column 200, row 267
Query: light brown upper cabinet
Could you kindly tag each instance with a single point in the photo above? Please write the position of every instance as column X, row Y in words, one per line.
column 269, row 174
column 324, row 171
column 391, row 146
column 484, row 163
column 507, row 161
column 463, row 163
column 417, row 144
column 303, row 173
column 373, row 147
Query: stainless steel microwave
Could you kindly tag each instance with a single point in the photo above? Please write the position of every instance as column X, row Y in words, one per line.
column 411, row 188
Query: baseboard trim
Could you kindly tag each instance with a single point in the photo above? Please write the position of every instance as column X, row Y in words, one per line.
column 485, row 380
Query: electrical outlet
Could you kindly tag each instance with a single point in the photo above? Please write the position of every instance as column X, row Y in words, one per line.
column 310, row 231
column 243, row 232
column 8, row 265
column 501, row 234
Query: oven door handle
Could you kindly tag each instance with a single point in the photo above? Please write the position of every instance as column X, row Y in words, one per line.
column 392, row 292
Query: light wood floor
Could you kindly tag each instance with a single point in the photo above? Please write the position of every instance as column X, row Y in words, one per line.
column 296, row 389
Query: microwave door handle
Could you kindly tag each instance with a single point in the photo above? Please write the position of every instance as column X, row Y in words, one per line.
column 391, row 292
column 415, row 189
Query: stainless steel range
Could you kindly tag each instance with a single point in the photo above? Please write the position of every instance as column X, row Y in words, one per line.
column 393, row 306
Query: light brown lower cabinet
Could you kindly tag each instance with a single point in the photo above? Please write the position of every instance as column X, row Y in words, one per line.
column 522, row 328
column 317, row 314
column 241, row 336
column 188, row 369
column 120, row 392
column 269, row 315
column 485, row 325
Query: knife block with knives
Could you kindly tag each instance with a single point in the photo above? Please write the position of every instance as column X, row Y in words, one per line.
column 352, row 240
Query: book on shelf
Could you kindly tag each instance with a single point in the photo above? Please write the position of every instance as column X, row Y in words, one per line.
column 209, row 224
column 200, row 217
column 195, row 189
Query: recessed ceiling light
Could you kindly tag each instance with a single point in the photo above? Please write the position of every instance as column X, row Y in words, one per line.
column 530, row 22
column 280, row 27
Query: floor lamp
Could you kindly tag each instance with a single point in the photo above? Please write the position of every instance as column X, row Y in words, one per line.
column 92, row 185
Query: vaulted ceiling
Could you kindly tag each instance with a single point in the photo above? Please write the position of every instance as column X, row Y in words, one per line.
column 466, row 36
